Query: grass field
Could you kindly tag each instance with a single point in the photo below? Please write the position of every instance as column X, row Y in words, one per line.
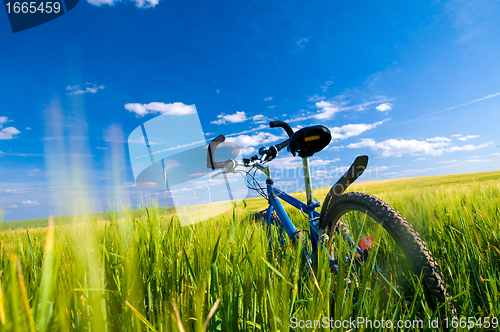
column 138, row 270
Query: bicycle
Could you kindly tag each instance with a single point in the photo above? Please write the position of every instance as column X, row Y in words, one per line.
column 338, row 211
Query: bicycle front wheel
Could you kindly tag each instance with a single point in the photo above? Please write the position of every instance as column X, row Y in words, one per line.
column 401, row 259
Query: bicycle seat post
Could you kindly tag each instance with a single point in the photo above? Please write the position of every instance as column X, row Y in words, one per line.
column 307, row 179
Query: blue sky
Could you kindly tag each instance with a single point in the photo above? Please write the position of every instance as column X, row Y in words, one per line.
column 414, row 85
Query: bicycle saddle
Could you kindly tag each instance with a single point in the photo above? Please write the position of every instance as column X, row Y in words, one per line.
column 307, row 141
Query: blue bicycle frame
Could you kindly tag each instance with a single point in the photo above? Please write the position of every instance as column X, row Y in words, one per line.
column 308, row 208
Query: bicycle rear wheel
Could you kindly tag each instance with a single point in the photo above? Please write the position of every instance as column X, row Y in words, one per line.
column 399, row 253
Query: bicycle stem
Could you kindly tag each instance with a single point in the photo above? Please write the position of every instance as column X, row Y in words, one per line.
column 264, row 169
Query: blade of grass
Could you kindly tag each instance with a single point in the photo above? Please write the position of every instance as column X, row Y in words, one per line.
column 141, row 317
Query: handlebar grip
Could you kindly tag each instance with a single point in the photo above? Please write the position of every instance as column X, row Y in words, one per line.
column 283, row 125
column 282, row 145
column 211, row 154
column 273, row 150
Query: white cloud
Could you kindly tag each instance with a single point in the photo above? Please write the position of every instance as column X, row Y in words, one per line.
column 474, row 101
column 410, row 171
column 172, row 109
column 398, row 148
column 325, row 86
column 327, row 110
column 15, row 191
column 76, row 90
column 172, row 148
column 363, row 106
column 28, row 202
column 268, row 98
column 138, row 3
column 247, row 151
column 260, row 127
column 380, row 168
column 161, row 108
column 129, row 185
column 453, row 107
column 419, row 159
column 464, row 138
column 215, row 182
column 102, row 2
column 146, row 3
column 468, row 147
column 349, row 130
column 180, row 190
column 286, row 163
column 20, row 154
column 147, row 185
column 454, row 163
column 336, row 148
column 334, row 173
column 8, row 133
column 300, row 43
column 262, row 138
column 321, row 162
column 232, row 118
column 28, row 128
column 138, row 109
column 315, row 97
column 496, row 154
column 384, row 107
column 259, row 118
column 438, row 139
column 294, row 162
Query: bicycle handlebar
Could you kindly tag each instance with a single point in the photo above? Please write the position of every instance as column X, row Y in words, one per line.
column 270, row 153
column 282, row 124
column 289, row 131
column 211, row 154
column 282, row 145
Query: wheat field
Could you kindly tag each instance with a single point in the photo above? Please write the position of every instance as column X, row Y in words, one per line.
column 138, row 270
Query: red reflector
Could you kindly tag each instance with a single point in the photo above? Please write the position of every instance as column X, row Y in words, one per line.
column 366, row 243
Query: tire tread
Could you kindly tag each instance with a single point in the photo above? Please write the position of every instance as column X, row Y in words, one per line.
column 405, row 236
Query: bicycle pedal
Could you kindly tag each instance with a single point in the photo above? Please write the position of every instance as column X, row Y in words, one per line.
column 365, row 243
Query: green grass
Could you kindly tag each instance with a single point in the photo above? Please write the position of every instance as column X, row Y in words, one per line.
column 62, row 220
column 139, row 270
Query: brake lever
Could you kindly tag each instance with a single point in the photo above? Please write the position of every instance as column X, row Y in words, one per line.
column 229, row 168
column 268, row 154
